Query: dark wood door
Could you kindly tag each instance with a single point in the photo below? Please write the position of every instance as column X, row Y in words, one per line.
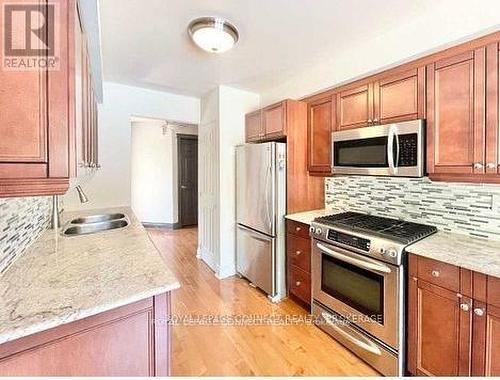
column 440, row 326
column 355, row 107
column 253, row 126
column 188, row 180
column 456, row 114
column 274, row 120
column 320, row 119
column 400, row 97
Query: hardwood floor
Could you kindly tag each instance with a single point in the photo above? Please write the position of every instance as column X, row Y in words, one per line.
column 241, row 350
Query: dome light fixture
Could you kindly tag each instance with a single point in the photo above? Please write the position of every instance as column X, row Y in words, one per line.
column 213, row 34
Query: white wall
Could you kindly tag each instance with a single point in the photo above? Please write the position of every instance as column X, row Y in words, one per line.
column 111, row 185
column 222, row 127
column 154, row 170
column 446, row 23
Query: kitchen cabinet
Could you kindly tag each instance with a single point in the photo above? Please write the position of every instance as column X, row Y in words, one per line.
column 253, row 126
column 38, row 148
column 453, row 320
column 298, row 249
column 35, row 122
column 321, row 116
column 396, row 97
column 132, row 340
column 274, row 120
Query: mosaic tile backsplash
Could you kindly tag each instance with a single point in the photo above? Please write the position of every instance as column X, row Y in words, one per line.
column 455, row 207
column 22, row 220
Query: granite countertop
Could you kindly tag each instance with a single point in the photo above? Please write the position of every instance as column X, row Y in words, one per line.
column 64, row 279
column 307, row 217
column 476, row 254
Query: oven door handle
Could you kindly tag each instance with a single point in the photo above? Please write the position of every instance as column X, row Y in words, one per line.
column 369, row 265
column 361, row 342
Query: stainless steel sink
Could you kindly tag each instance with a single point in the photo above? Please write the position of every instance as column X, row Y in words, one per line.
column 94, row 227
column 97, row 218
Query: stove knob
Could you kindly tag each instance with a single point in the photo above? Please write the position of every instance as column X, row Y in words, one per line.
column 311, row 230
column 318, row 231
column 392, row 252
column 382, row 250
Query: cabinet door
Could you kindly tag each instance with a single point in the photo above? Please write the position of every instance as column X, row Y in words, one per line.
column 23, row 122
column 400, row 97
column 455, row 114
column 492, row 363
column 253, row 126
column 492, row 111
column 440, row 326
column 320, row 119
column 274, row 120
column 355, row 107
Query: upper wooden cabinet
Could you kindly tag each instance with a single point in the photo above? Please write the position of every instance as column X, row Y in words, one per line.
column 320, row 120
column 396, row 97
column 274, row 120
column 453, row 320
column 35, row 120
column 399, row 97
column 41, row 122
column 462, row 116
column 355, row 107
column 253, row 126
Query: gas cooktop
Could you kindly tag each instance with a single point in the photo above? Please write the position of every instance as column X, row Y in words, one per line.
column 393, row 229
column 375, row 236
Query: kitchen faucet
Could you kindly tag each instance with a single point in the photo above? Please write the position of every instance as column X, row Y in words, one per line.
column 56, row 213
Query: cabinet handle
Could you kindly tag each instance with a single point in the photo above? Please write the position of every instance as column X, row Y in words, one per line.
column 375, row 121
column 298, row 253
column 298, row 283
column 298, row 229
column 435, row 273
column 478, row 311
column 369, row 121
column 465, row 306
column 491, row 165
column 478, row 165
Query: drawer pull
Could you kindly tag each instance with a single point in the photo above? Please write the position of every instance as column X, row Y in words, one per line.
column 298, row 283
column 465, row 306
column 298, row 229
column 479, row 312
column 435, row 273
column 298, row 253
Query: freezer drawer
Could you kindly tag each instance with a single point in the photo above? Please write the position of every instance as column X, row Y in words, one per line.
column 255, row 258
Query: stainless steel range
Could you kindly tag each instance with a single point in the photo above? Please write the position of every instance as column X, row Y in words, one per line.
column 358, row 280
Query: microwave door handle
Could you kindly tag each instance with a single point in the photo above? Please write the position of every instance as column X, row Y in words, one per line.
column 397, row 152
column 372, row 266
column 390, row 149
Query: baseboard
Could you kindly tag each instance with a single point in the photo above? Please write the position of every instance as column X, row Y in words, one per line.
column 170, row 226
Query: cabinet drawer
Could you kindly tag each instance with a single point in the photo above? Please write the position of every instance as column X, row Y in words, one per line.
column 300, row 284
column 439, row 273
column 298, row 229
column 299, row 252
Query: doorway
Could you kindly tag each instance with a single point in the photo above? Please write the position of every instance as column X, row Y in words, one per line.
column 187, row 149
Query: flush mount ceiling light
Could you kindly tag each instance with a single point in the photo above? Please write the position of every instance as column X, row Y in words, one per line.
column 213, row 34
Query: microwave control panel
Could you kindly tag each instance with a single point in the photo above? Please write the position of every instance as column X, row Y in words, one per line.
column 408, row 150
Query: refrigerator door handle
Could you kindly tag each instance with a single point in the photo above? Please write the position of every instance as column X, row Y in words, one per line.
column 269, row 220
column 255, row 234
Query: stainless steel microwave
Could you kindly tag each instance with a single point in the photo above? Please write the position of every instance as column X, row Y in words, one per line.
column 383, row 150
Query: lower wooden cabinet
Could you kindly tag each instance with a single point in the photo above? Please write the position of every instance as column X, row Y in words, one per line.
column 298, row 253
column 452, row 332
column 132, row 340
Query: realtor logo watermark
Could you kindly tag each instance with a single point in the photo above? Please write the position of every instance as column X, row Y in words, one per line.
column 30, row 36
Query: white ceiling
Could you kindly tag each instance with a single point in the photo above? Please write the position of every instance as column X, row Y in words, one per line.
column 145, row 42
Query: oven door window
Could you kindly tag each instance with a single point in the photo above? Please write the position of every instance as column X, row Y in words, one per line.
column 367, row 153
column 356, row 287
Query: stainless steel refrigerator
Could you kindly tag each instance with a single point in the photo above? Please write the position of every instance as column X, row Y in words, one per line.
column 260, row 211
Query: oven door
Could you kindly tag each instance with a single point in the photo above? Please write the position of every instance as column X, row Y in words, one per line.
column 363, row 290
column 386, row 150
